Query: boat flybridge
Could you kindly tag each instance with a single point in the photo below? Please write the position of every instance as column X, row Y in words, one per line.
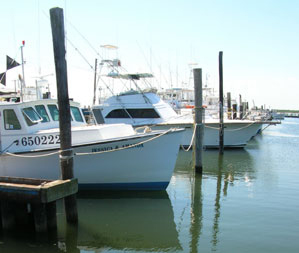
column 106, row 156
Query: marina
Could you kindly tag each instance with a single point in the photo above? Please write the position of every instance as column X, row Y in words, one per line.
column 146, row 163
column 246, row 201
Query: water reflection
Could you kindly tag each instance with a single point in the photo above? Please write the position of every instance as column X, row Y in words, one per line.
column 217, row 199
column 234, row 165
column 196, row 213
column 224, row 170
column 131, row 221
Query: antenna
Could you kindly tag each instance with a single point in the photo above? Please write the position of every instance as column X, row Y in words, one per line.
column 23, row 78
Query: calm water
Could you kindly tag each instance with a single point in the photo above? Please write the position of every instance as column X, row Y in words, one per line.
column 246, row 201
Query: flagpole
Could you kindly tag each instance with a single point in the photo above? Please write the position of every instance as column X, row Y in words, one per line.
column 23, row 79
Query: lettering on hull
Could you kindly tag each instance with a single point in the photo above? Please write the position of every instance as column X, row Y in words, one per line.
column 117, row 147
column 38, row 140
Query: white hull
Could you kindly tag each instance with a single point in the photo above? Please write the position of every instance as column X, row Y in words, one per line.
column 148, row 166
column 236, row 135
column 149, row 109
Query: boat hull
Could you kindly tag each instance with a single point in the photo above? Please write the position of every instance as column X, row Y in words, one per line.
column 236, row 135
column 146, row 166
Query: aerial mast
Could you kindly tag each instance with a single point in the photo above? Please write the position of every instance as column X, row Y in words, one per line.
column 23, row 73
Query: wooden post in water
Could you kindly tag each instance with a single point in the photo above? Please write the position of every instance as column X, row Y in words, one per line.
column 7, row 215
column 51, row 215
column 199, row 128
column 229, row 106
column 40, row 217
column 221, row 127
column 234, row 111
column 240, row 106
column 245, row 110
column 66, row 156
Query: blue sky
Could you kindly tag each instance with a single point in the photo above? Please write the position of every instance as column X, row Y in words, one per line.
column 259, row 40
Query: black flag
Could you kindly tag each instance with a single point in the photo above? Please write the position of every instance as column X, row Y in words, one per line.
column 10, row 63
column 3, row 78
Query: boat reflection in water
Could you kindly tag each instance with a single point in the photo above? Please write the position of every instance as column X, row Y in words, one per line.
column 219, row 173
column 108, row 221
column 191, row 216
column 133, row 221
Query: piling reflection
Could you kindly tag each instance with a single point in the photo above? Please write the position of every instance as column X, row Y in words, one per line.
column 225, row 170
column 196, row 213
column 217, row 201
column 234, row 165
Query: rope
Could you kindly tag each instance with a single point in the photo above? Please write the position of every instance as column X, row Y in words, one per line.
column 130, row 146
column 32, row 156
column 146, row 129
column 8, row 147
column 265, row 128
column 191, row 142
column 231, row 130
column 66, row 157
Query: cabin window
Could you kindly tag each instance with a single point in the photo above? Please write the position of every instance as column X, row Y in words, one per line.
column 118, row 113
column 41, row 110
column 77, row 114
column 143, row 113
column 31, row 116
column 54, row 112
column 134, row 113
column 98, row 116
column 11, row 121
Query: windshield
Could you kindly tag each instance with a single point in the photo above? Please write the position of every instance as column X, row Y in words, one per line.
column 42, row 112
column 76, row 113
column 31, row 116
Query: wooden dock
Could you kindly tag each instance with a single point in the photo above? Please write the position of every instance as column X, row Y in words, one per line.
column 21, row 197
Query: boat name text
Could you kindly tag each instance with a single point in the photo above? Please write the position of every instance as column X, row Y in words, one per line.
column 117, row 147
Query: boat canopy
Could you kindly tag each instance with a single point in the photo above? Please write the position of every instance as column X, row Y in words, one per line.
column 136, row 76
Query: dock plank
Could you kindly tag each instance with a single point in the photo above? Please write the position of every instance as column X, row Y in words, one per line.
column 36, row 190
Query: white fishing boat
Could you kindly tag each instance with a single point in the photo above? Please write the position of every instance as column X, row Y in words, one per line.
column 143, row 107
column 105, row 156
column 147, row 108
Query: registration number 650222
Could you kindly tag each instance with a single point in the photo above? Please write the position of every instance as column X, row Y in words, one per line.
column 39, row 140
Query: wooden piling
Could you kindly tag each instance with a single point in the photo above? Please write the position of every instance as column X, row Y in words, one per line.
column 221, row 126
column 234, row 111
column 245, row 110
column 229, row 106
column 51, row 215
column 21, row 214
column 66, row 156
column 240, row 107
column 40, row 217
column 199, row 128
column 16, row 194
column 7, row 215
